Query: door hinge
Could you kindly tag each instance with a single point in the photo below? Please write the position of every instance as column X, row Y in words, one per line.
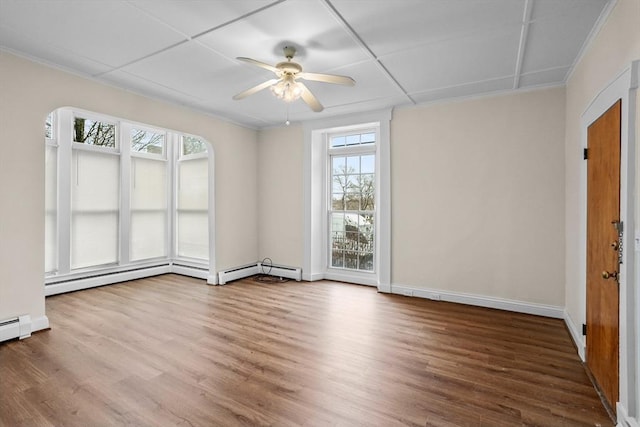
column 584, row 329
column 585, row 153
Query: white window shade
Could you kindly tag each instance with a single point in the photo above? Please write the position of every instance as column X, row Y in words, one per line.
column 148, row 234
column 51, row 209
column 192, row 212
column 95, row 193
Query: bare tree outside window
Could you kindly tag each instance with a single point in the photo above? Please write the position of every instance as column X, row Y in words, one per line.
column 94, row 132
column 143, row 141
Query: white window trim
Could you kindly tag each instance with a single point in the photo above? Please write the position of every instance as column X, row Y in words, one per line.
column 315, row 200
column 123, row 129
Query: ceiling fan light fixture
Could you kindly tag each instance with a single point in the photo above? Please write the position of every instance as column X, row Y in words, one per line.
column 287, row 89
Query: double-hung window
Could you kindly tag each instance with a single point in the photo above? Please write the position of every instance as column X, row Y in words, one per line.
column 352, row 204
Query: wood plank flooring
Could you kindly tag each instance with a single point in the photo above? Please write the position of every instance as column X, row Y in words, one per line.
column 171, row 350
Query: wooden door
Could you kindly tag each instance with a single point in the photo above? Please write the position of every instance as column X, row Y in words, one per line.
column 603, row 216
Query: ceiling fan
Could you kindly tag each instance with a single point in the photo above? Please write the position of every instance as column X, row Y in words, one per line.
column 286, row 86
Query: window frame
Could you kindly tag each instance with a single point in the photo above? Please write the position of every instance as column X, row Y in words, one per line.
column 346, row 151
column 314, row 192
column 63, row 128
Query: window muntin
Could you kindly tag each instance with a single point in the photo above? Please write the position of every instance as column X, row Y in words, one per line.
column 94, row 132
column 352, row 201
column 119, row 202
column 350, row 140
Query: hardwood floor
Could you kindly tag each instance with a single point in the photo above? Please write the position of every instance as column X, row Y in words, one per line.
column 170, row 350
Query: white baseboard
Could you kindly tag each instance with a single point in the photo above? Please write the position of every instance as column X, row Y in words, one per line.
column 481, row 301
column 39, row 323
column 186, row 270
column 576, row 335
column 312, row 277
column 236, row 273
column 92, row 282
column 624, row 419
column 351, row 278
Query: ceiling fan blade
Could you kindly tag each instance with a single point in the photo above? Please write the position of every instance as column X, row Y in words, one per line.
column 259, row 64
column 311, row 100
column 328, row 78
column 255, row 89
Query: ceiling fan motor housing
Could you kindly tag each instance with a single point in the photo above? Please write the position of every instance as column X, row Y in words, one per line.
column 289, row 67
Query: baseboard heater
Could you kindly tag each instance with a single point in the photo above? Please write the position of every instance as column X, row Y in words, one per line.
column 227, row 276
column 16, row 327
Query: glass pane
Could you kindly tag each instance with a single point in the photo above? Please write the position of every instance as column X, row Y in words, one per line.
column 353, row 164
column 143, row 141
column 368, row 163
column 367, row 188
column 48, row 127
column 365, row 242
column 339, row 165
column 351, row 260
column 365, row 261
column 368, row 138
column 337, row 240
column 352, row 201
column 193, row 234
column 93, row 132
column 351, row 242
column 337, row 141
column 192, row 145
column 337, row 201
column 337, row 259
column 148, row 235
column 353, row 140
column 337, row 222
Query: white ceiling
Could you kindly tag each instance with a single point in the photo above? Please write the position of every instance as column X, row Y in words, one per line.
column 399, row 52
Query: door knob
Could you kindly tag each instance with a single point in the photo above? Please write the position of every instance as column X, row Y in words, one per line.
column 615, row 245
column 612, row 275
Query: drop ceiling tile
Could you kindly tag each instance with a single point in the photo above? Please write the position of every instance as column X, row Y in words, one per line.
column 322, row 42
column 195, row 70
column 110, row 32
column 455, row 62
column 541, row 78
column 544, row 9
column 471, row 89
column 42, row 50
column 371, row 83
column 389, row 26
column 557, row 40
column 145, row 87
column 195, row 16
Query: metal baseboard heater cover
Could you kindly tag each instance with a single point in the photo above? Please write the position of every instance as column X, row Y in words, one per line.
column 227, row 276
column 15, row 327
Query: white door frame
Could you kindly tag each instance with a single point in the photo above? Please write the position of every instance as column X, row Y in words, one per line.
column 622, row 87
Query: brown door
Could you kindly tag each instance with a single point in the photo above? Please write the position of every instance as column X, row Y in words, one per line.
column 603, row 215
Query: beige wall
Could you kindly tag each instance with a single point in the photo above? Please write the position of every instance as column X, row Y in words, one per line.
column 613, row 49
column 478, row 197
column 28, row 92
column 280, row 195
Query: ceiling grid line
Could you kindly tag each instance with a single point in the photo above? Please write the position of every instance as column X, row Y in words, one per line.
column 364, row 45
column 400, row 53
column 524, row 33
